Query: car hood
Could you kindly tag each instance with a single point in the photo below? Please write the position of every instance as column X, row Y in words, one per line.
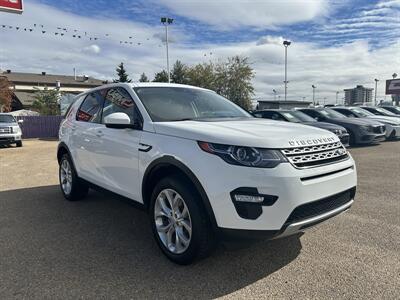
column 323, row 125
column 8, row 124
column 355, row 121
column 385, row 119
column 247, row 132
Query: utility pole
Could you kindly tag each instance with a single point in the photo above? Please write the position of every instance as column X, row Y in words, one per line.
column 274, row 91
column 376, row 89
column 337, row 97
column 286, row 44
column 166, row 22
column 313, row 94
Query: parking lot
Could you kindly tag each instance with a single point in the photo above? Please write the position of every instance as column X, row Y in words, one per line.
column 51, row 248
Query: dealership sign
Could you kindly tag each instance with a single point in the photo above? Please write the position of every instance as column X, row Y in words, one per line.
column 13, row 6
column 393, row 87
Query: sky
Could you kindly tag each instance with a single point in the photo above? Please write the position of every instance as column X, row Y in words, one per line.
column 336, row 44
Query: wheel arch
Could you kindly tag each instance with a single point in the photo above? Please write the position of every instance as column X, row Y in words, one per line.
column 165, row 166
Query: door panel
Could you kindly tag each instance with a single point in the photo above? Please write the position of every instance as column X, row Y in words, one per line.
column 117, row 150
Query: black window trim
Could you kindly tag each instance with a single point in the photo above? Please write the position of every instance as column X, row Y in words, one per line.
column 141, row 121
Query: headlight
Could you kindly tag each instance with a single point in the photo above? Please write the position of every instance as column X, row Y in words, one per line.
column 16, row 129
column 245, row 156
column 367, row 128
column 337, row 131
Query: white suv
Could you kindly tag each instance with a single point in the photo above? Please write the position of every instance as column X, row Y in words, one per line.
column 201, row 166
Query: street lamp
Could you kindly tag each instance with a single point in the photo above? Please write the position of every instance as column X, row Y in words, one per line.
column 167, row 21
column 337, row 96
column 274, row 91
column 313, row 94
column 376, row 88
column 286, row 44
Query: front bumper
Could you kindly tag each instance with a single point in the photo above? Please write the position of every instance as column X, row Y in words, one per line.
column 392, row 132
column 371, row 138
column 293, row 188
column 9, row 138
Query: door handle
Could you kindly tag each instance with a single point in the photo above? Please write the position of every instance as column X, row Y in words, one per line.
column 99, row 133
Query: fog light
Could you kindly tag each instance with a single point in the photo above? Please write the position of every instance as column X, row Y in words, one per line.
column 249, row 198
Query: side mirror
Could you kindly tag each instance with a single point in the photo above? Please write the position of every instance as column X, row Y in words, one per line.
column 118, row 120
column 20, row 121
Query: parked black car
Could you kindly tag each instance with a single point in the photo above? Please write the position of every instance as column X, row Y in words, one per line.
column 393, row 109
column 296, row 116
column 361, row 131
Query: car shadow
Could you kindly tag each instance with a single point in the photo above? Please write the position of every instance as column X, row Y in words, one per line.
column 104, row 247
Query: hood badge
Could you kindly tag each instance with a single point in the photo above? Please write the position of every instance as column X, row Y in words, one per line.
column 312, row 142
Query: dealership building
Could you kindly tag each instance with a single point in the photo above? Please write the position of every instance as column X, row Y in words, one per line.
column 24, row 85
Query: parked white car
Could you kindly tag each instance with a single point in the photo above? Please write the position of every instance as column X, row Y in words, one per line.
column 202, row 166
column 10, row 132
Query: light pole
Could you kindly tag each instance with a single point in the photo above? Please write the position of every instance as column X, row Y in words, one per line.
column 313, row 94
column 167, row 21
column 274, row 91
column 376, row 88
column 337, row 97
column 286, row 44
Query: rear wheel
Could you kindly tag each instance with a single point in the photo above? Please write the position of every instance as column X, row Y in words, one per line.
column 71, row 186
column 179, row 222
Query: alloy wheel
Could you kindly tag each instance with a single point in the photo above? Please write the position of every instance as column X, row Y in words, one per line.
column 172, row 220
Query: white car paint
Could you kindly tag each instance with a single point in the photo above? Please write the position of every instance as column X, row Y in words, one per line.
column 111, row 159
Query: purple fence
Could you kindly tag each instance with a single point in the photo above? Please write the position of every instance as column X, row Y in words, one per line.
column 40, row 126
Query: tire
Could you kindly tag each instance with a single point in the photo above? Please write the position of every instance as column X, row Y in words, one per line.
column 18, row 144
column 71, row 185
column 189, row 247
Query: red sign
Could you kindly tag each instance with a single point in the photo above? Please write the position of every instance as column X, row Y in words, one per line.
column 13, row 6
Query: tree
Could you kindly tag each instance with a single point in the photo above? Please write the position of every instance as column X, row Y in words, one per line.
column 47, row 101
column 179, row 73
column 202, row 75
column 122, row 74
column 143, row 78
column 161, row 76
column 5, row 95
column 233, row 80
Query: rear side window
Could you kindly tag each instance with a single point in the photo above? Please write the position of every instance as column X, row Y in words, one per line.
column 119, row 100
column 90, row 110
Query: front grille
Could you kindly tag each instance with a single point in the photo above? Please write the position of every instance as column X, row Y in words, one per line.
column 319, row 207
column 317, row 155
column 5, row 129
column 379, row 129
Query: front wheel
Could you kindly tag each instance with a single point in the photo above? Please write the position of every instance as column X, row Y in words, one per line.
column 179, row 222
column 18, row 144
column 71, row 185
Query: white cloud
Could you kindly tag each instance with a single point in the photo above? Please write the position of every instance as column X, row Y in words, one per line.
column 94, row 49
column 227, row 14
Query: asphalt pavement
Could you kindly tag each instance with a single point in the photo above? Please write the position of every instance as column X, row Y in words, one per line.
column 102, row 248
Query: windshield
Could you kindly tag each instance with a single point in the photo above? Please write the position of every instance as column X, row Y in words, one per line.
column 178, row 104
column 7, row 119
column 385, row 112
column 302, row 116
column 330, row 113
column 361, row 112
